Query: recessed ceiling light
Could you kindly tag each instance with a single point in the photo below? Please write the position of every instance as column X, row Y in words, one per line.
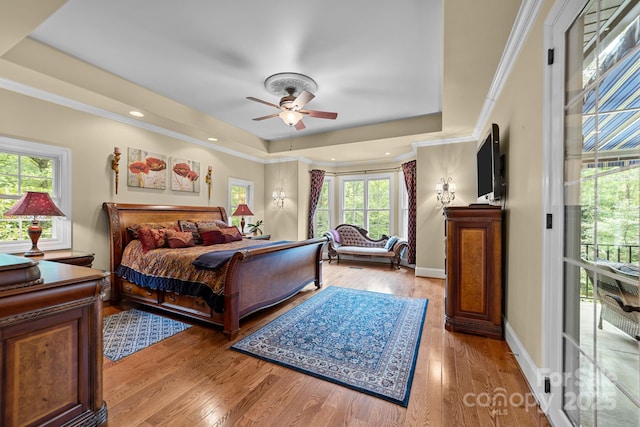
column 333, row 158
column 386, row 154
column 212, row 139
column 135, row 113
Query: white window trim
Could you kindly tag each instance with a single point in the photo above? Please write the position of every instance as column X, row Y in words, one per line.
column 367, row 177
column 239, row 183
column 329, row 181
column 61, row 193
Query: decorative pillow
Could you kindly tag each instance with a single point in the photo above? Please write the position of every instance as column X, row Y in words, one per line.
column 392, row 241
column 180, row 239
column 191, row 227
column 231, row 234
column 207, row 226
column 133, row 229
column 220, row 223
column 213, row 237
column 152, row 238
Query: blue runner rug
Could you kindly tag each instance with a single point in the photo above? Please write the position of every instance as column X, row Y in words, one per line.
column 129, row 331
column 364, row 340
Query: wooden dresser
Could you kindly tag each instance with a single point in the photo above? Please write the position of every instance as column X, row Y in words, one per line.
column 51, row 335
column 473, row 294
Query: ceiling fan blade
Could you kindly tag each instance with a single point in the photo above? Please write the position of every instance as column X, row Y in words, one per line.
column 266, row 117
column 251, row 98
column 300, row 125
column 320, row 114
column 302, row 99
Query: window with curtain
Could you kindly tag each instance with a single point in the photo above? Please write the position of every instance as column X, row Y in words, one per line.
column 240, row 191
column 403, row 210
column 367, row 202
column 322, row 217
column 27, row 166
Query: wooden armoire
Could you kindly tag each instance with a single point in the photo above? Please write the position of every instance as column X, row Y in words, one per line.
column 473, row 294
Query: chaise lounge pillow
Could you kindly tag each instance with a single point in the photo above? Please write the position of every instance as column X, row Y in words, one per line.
column 392, row 241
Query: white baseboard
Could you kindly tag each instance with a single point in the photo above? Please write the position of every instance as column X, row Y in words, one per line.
column 436, row 273
column 528, row 367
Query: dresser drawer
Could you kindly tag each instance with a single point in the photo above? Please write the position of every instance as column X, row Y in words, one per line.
column 186, row 303
column 136, row 292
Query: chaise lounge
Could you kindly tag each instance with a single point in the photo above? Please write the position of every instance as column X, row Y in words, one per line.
column 618, row 298
column 347, row 239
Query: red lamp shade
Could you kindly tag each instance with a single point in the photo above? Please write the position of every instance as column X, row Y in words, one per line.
column 242, row 210
column 33, row 203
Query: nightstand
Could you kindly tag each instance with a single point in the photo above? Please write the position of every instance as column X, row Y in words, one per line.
column 260, row 237
column 83, row 259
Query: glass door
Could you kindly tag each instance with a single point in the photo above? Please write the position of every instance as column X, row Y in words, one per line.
column 602, row 215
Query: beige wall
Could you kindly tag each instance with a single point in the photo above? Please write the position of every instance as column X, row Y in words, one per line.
column 282, row 223
column 518, row 111
column 92, row 140
column 457, row 161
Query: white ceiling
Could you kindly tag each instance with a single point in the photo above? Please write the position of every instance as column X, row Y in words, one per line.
column 373, row 60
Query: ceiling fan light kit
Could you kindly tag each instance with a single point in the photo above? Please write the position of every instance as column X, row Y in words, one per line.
column 296, row 91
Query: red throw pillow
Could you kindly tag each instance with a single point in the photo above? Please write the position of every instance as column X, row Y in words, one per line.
column 180, row 239
column 213, row 237
column 152, row 238
column 231, row 234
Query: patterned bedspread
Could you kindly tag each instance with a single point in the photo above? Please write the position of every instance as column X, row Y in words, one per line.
column 172, row 270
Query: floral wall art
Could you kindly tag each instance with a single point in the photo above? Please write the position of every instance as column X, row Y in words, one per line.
column 145, row 169
column 185, row 175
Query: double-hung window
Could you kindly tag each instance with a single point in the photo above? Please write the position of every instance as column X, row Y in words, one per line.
column 366, row 201
column 240, row 191
column 29, row 166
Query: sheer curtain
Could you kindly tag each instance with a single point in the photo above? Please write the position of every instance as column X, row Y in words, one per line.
column 317, row 178
column 409, row 170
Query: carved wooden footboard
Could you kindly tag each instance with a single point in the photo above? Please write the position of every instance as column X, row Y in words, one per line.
column 256, row 278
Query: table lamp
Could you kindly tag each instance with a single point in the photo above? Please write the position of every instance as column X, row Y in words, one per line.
column 242, row 210
column 33, row 203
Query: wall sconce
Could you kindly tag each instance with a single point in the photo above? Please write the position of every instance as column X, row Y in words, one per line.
column 445, row 191
column 278, row 197
column 208, row 180
column 115, row 165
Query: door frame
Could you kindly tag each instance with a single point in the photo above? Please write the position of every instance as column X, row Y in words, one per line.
column 561, row 16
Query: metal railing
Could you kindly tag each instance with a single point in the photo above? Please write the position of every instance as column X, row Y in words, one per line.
column 618, row 253
column 627, row 254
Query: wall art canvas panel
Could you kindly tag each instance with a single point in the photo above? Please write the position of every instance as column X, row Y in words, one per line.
column 145, row 169
column 185, row 175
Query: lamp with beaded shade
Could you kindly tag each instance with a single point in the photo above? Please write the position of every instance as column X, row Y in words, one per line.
column 33, row 203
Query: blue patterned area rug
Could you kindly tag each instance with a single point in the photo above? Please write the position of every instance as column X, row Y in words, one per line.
column 364, row 340
column 129, row 331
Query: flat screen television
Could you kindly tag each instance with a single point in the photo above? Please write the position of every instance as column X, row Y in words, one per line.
column 489, row 168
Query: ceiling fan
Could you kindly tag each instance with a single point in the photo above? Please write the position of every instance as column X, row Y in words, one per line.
column 297, row 93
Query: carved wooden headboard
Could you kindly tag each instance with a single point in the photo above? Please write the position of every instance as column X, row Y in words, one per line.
column 121, row 216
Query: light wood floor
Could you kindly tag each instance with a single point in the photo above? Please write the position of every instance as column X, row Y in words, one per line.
column 194, row 379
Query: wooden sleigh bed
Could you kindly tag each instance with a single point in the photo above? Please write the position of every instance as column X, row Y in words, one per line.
column 254, row 278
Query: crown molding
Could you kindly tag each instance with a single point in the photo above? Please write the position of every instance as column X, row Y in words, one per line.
column 44, row 95
column 522, row 26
